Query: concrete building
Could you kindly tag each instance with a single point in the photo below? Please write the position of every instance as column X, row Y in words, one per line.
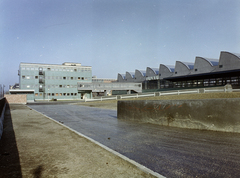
column 183, row 68
column 53, row 81
column 140, row 75
column 166, row 71
column 204, row 72
column 204, row 65
column 152, row 73
column 130, row 77
column 121, row 78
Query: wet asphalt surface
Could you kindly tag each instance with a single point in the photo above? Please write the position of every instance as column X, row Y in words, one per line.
column 172, row 152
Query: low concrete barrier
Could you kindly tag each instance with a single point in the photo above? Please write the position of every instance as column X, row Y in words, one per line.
column 209, row 114
column 17, row 99
column 2, row 111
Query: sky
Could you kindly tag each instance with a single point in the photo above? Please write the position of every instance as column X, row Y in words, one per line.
column 114, row 36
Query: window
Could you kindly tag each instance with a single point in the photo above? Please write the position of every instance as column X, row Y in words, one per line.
column 36, row 94
column 60, row 94
column 195, row 69
column 71, row 78
column 23, row 77
column 75, row 94
column 64, row 94
column 71, row 94
column 75, row 70
column 175, row 72
column 56, row 94
column 79, row 78
column 52, row 94
column 36, row 77
column 64, row 78
column 220, row 66
column 82, row 78
column 67, row 94
column 40, row 94
column 60, row 86
column 48, row 68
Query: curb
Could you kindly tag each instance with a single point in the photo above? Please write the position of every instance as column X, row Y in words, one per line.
column 139, row 166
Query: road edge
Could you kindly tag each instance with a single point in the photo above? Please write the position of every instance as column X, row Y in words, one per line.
column 139, row 166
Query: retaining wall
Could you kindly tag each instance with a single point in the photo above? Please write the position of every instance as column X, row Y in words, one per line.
column 2, row 111
column 209, row 114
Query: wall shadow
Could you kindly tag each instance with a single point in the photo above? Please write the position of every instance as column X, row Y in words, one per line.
column 9, row 156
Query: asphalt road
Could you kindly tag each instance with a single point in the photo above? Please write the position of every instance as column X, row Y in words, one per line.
column 172, row 152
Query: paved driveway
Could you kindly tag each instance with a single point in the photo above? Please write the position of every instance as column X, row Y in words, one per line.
column 172, row 152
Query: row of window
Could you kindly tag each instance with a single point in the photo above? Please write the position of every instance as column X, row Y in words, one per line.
column 58, row 69
column 156, row 84
column 55, row 77
column 56, row 94
column 50, row 86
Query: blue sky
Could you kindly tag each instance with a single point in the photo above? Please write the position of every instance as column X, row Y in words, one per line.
column 114, row 36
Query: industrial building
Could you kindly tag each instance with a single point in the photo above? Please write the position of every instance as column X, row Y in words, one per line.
column 204, row 72
column 53, row 81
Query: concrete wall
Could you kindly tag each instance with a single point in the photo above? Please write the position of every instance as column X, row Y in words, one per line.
column 121, row 78
column 2, row 111
column 130, row 77
column 164, row 71
column 202, row 65
column 16, row 99
column 140, row 75
column 210, row 114
column 182, row 68
column 228, row 61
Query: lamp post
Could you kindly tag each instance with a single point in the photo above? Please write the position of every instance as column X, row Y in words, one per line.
column 48, row 94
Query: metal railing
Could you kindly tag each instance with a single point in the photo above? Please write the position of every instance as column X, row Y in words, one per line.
column 178, row 92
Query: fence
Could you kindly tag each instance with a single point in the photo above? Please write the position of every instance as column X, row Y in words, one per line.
column 178, row 92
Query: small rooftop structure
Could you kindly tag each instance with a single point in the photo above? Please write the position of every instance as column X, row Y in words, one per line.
column 71, row 64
